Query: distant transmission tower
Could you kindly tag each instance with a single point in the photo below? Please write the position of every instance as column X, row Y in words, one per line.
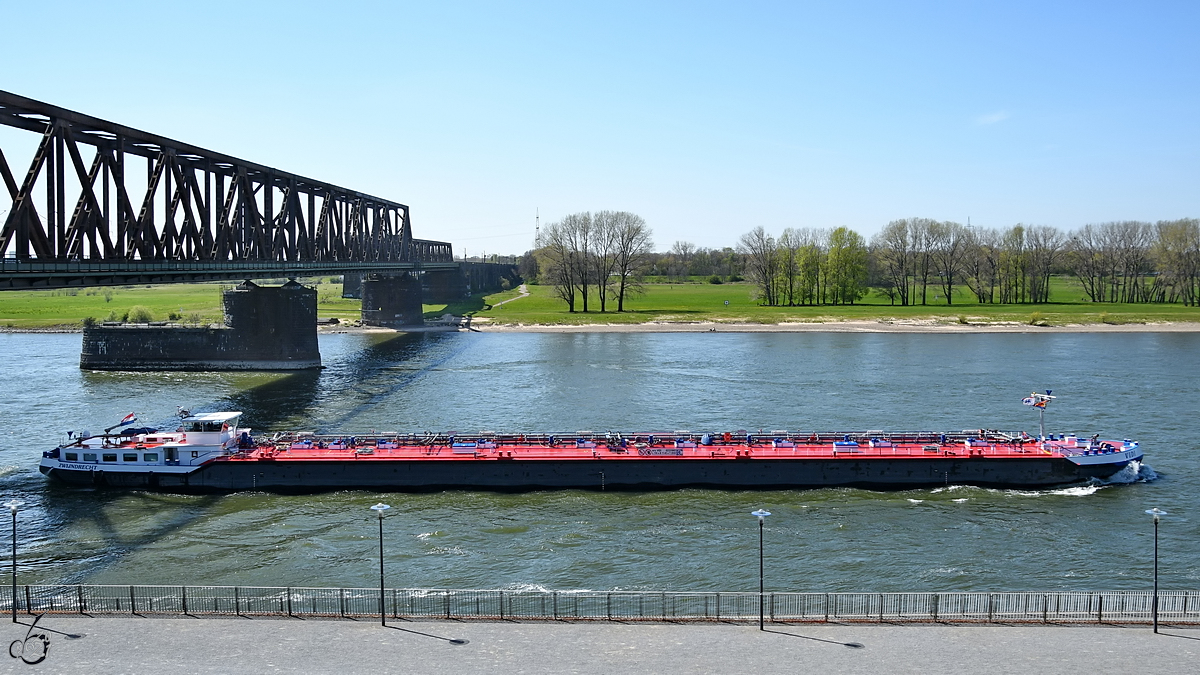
column 537, row 226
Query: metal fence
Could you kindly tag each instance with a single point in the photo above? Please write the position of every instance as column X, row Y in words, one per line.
column 1176, row 607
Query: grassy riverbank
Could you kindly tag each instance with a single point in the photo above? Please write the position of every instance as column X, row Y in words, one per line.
column 676, row 302
column 733, row 303
column 66, row 309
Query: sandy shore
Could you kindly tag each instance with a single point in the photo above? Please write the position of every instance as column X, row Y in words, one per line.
column 484, row 326
column 838, row 327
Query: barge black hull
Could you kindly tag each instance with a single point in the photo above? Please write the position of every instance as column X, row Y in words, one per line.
column 650, row 474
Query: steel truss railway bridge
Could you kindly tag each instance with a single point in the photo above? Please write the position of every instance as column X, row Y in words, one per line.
column 81, row 215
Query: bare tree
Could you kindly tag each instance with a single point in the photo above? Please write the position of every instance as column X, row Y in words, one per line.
column 949, row 247
column 922, row 237
column 631, row 250
column 603, row 260
column 1089, row 261
column 981, row 262
column 682, row 252
column 555, row 260
column 1177, row 259
column 761, row 262
column 894, row 255
column 1045, row 245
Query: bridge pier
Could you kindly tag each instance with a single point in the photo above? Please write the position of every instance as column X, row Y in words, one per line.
column 392, row 301
column 444, row 286
column 267, row 328
column 352, row 285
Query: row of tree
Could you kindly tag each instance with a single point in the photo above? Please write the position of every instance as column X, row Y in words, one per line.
column 911, row 258
column 606, row 255
column 603, row 253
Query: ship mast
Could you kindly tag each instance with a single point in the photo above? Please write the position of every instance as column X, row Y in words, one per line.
column 1039, row 401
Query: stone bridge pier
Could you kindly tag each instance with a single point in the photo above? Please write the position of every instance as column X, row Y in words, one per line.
column 275, row 327
column 266, row 328
column 392, row 301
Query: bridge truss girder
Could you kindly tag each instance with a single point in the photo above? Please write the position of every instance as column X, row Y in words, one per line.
column 199, row 210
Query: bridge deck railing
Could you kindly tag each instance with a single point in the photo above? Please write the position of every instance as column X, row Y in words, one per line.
column 1125, row 607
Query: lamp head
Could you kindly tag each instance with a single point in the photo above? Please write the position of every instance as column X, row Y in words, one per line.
column 1156, row 512
column 380, row 508
column 14, row 504
column 761, row 513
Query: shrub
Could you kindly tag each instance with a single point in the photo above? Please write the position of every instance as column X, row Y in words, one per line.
column 1038, row 319
column 733, row 278
column 715, row 279
column 505, row 284
column 962, row 318
column 174, row 316
column 140, row 314
column 89, row 321
column 108, row 295
column 112, row 316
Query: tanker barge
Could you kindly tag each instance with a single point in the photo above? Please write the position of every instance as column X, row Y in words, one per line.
column 212, row 453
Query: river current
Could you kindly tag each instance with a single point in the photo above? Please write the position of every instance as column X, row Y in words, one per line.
column 1144, row 386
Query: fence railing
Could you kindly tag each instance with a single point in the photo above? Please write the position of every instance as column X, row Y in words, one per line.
column 1178, row 607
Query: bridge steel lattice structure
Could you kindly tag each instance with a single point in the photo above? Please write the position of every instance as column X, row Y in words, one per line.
column 81, row 215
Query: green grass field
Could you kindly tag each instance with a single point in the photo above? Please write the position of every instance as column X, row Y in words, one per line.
column 195, row 303
column 707, row 302
column 201, row 303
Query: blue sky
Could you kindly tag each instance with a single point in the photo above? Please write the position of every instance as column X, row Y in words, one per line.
column 708, row 119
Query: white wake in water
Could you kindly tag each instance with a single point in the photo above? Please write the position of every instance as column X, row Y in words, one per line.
column 951, row 488
column 1134, row 472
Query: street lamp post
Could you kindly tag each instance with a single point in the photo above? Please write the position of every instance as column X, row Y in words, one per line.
column 13, row 505
column 379, row 509
column 1156, row 512
column 762, row 516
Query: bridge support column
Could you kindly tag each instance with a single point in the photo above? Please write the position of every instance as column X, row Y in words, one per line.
column 444, row 286
column 352, row 285
column 267, row 328
column 392, row 301
column 486, row 276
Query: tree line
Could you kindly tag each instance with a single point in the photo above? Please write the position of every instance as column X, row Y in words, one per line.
column 913, row 258
column 911, row 261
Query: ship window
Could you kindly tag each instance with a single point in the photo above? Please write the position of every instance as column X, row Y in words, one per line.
column 129, row 457
column 150, row 457
column 72, row 456
column 89, row 456
column 195, row 454
column 110, row 457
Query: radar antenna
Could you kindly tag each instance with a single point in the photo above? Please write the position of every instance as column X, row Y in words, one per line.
column 1039, row 401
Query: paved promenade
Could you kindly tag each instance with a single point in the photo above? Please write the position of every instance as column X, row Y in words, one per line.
column 200, row 645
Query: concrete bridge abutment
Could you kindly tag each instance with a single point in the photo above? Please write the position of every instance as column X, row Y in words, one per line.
column 392, row 301
column 444, row 286
column 266, row 328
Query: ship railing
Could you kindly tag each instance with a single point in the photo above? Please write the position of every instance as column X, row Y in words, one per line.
column 716, row 438
column 1119, row 607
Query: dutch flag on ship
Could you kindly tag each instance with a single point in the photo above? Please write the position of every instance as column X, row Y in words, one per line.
column 128, row 419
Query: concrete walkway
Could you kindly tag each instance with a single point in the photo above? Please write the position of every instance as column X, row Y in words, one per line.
column 200, row 645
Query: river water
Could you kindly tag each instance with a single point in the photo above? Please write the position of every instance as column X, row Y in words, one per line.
column 1088, row 537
